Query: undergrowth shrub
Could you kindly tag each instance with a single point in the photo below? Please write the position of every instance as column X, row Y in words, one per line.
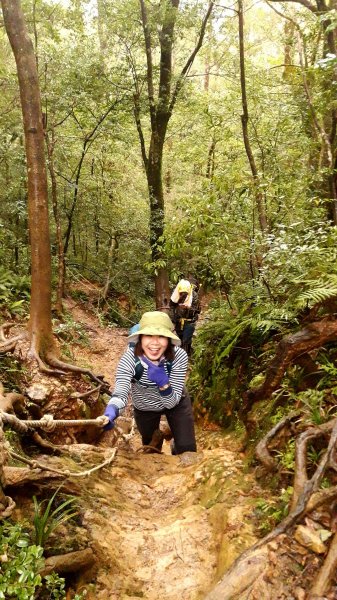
column 14, row 293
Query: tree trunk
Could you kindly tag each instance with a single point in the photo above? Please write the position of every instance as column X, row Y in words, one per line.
column 40, row 326
column 60, row 254
column 244, row 119
column 160, row 112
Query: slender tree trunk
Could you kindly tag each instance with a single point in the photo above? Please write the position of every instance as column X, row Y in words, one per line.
column 111, row 256
column 244, row 119
column 40, row 326
column 60, row 254
column 160, row 112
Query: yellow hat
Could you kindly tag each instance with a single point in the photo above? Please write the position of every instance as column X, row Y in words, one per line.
column 155, row 323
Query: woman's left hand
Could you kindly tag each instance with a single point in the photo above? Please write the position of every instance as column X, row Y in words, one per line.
column 156, row 373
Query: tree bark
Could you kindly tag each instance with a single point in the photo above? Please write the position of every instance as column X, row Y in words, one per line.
column 60, row 254
column 40, row 326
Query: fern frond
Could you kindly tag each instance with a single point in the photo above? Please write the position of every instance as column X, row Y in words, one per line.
column 321, row 291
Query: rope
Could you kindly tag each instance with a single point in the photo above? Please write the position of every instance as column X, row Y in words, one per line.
column 47, row 423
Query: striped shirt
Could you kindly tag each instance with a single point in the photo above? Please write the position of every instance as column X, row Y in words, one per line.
column 145, row 394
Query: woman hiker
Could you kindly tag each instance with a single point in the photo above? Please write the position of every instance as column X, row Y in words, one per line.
column 155, row 370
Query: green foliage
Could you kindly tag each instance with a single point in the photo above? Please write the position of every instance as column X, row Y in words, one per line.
column 47, row 519
column 270, row 512
column 12, row 373
column 55, row 586
column 286, row 457
column 318, row 291
column 313, row 402
column 20, row 563
column 71, row 331
column 14, row 292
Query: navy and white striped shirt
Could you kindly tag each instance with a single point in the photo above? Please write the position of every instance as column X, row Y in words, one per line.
column 144, row 393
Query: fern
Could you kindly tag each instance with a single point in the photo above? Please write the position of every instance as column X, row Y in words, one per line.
column 319, row 291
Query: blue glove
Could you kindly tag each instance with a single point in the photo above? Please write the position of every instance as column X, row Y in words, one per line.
column 112, row 412
column 156, row 373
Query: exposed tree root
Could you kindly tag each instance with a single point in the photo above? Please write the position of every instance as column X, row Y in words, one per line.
column 67, row 367
column 262, row 453
column 291, row 347
column 322, row 497
column 243, row 573
column 301, row 476
column 42, row 443
column 66, row 473
column 42, row 366
column 11, row 402
column 87, row 394
column 7, row 504
column 9, row 344
column 327, row 572
column 72, row 562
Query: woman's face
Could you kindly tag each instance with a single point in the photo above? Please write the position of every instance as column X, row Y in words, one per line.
column 154, row 346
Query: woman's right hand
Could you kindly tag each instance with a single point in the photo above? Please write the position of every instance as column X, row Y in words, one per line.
column 112, row 413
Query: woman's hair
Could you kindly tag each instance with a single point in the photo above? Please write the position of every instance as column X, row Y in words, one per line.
column 169, row 352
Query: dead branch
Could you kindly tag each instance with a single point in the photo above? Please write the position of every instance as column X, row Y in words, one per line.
column 261, row 452
column 326, row 573
column 291, row 347
column 72, row 562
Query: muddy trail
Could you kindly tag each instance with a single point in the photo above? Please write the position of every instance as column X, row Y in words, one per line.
column 161, row 525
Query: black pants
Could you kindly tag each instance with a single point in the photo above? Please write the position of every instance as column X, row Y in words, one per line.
column 180, row 420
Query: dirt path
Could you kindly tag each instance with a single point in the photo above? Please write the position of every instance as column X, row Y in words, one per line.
column 161, row 525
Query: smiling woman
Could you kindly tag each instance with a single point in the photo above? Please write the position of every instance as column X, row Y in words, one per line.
column 159, row 389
